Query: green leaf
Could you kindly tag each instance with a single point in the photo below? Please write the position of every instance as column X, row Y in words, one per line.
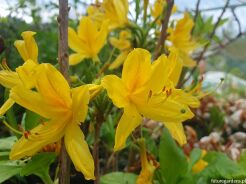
column 7, row 171
column 219, row 166
column 39, row 165
column 242, row 161
column 173, row 163
column 7, row 143
column 118, row 178
column 194, row 157
column 30, row 120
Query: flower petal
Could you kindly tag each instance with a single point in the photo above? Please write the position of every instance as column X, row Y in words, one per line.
column 37, row 138
column 159, row 75
column 116, row 90
column 31, row 45
column 80, row 97
column 21, row 47
column 78, row 151
column 32, row 101
column 119, row 60
column 9, row 79
column 177, row 131
column 128, row 122
column 74, row 41
column 76, row 58
column 26, row 73
column 136, row 69
column 53, row 87
column 6, row 106
column 166, row 110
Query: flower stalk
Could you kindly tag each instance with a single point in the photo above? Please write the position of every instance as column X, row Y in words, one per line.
column 64, row 173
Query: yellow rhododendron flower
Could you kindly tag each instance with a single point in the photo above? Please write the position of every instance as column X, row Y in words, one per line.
column 141, row 92
column 124, row 45
column 200, row 164
column 113, row 10
column 148, row 166
column 157, row 9
column 181, row 39
column 176, row 128
column 88, row 41
column 27, row 47
column 64, row 109
column 28, row 50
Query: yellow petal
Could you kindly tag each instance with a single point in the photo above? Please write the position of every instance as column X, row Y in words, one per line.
column 159, row 74
column 87, row 30
column 136, row 69
column 100, row 37
column 31, row 45
column 32, row 101
column 6, row 106
column 78, row 151
column 53, row 87
column 74, row 41
column 26, row 73
column 187, row 60
column 80, row 97
column 76, row 58
column 116, row 90
column 177, row 131
column 21, row 47
column 199, row 166
column 38, row 137
column 185, row 98
column 177, row 66
column 166, row 110
column 128, row 122
column 94, row 90
column 119, row 60
column 9, row 79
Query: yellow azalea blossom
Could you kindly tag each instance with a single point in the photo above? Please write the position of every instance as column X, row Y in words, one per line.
column 88, row 41
column 64, row 108
column 200, row 164
column 156, row 10
column 181, row 39
column 148, row 166
column 115, row 11
column 124, row 45
column 175, row 67
column 141, row 92
column 27, row 47
column 28, row 50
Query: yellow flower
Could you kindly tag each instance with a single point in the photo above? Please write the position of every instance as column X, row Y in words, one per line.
column 181, row 39
column 88, row 41
column 200, row 164
column 124, row 45
column 64, row 108
column 27, row 48
column 24, row 74
column 176, row 128
column 141, row 92
column 113, row 10
column 156, row 11
column 148, row 166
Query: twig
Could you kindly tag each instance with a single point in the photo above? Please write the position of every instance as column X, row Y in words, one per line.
column 166, row 13
column 64, row 173
column 196, row 14
column 219, row 8
column 237, row 20
column 200, row 57
column 95, row 151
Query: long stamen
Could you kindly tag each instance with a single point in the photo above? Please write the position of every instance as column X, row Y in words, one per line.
column 11, row 128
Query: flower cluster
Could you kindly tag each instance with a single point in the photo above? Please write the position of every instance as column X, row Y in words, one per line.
column 146, row 88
